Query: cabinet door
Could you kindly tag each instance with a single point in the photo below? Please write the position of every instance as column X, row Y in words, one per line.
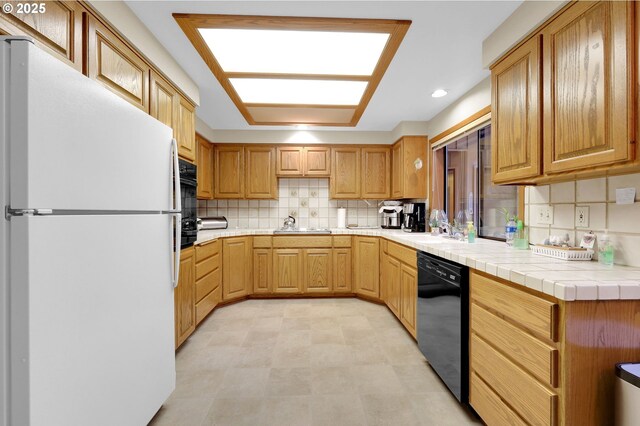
column 236, row 267
column 205, row 168
column 408, row 298
column 289, row 161
column 260, row 169
column 58, row 30
column 287, row 271
column 342, row 271
column 367, row 266
column 228, row 172
column 394, row 277
column 587, row 93
column 317, row 161
column 186, row 129
column 262, row 261
column 345, row 173
column 516, row 112
column 376, row 173
column 112, row 63
column 317, row 271
column 397, row 181
column 162, row 101
column 184, row 296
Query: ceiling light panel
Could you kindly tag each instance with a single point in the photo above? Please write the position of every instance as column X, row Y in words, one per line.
column 298, row 92
column 295, row 52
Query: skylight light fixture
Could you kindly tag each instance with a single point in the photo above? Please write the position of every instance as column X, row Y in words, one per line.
column 298, row 92
column 438, row 93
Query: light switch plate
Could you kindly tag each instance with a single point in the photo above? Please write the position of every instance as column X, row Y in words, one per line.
column 545, row 215
column 582, row 216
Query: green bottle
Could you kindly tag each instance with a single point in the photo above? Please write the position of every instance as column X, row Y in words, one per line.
column 471, row 232
column 605, row 250
column 521, row 240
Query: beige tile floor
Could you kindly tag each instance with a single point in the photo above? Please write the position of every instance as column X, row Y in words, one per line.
column 306, row 362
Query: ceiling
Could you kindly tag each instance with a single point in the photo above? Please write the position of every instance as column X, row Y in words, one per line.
column 442, row 49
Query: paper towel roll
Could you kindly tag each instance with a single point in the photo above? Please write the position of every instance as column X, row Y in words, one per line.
column 342, row 217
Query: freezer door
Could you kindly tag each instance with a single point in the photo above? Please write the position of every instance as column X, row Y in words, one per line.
column 92, row 334
column 76, row 146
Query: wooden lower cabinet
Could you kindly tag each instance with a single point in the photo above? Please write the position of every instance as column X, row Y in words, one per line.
column 208, row 278
column 262, row 270
column 287, row 271
column 342, row 270
column 408, row 297
column 184, row 297
column 367, row 266
column 317, row 270
column 393, row 277
column 236, row 267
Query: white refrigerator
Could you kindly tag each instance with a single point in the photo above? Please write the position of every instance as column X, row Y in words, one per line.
column 89, row 249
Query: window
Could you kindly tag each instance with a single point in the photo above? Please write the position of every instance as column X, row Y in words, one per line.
column 462, row 184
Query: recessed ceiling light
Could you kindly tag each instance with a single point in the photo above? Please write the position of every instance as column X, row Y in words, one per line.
column 439, row 93
column 302, row 126
column 298, row 92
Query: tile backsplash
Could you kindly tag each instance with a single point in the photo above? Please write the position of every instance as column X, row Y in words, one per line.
column 305, row 199
column 621, row 221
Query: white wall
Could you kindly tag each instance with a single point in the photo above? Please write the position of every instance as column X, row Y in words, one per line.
column 121, row 17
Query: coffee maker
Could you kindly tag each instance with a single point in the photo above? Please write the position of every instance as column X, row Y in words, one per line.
column 391, row 217
column 414, row 217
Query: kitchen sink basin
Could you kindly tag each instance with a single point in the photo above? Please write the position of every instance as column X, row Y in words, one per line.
column 302, row 231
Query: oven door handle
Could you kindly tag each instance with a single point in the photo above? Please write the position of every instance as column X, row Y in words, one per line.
column 176, row 206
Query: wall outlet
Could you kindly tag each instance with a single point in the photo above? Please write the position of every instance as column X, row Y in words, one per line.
column 545, row 215
column 582, row 216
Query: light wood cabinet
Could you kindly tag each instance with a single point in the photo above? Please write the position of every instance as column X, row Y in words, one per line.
column 400, row 276
column 260, row 173
column 297, row 161
column 116, row 66
column 587, row 94
column 408, row 180
column 287, row 271
column 290, row 161
column 163, row 101
column 236, row 267
column 228, row 171
column 342, row 271
column 262, row 270
column 367, row 266
column 376, row 173
column 516, row 114
column 186, row 130
column 317, row 161
column 57, row 31
column 318, row 277
column 208, row 278
column 204, row 161
column 184, row 297
column 408, row 298
column 393, row 278
column 345, row 173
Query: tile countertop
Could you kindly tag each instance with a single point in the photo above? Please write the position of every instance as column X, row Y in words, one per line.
column 566, row 280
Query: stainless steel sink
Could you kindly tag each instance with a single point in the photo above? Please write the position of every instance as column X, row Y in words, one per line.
column 302, row 231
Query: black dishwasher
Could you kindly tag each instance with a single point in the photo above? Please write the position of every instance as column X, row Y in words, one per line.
column 443, row 320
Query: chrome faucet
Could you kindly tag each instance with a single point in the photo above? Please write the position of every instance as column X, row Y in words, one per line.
column 289, row 223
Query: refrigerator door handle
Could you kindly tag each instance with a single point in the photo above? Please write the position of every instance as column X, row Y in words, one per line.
column 177, row 195
column 176, row 242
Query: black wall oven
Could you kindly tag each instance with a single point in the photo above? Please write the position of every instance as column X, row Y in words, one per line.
column 443, row 320
column 188, row 187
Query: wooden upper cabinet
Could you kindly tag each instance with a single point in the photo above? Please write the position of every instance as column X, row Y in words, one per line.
column 111, row 62
column 345, row 173
column 228, row 171
column 297, row 161
column 376, row 176
column 186, row 129
column 260, row 172
column 204, row 162
column 163, row 101
column 317, row 161
column 407, row 180
column 516, row 114
column 588, row 97
column 58, row 30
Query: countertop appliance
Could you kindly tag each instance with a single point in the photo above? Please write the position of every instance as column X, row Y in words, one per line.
column 443, row 320
column 214, row 222
column 188, row 190
column 391, row 217
column 87, row 256
column 414, row 217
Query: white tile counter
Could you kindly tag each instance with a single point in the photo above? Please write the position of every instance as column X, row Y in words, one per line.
column 566, row 280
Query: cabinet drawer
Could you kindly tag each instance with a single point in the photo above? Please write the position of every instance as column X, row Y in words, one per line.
column 304, row 242
column 207, row 304
column 539, row 358
column 489, row 405
column 532, row 312
column 206, row 266
column 206, row 284
column 527, row 396
column 403, row 254
column 342, row 241
column 207, row 249
column 261, row 242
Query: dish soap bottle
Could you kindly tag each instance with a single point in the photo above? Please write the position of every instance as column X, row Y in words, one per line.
column 605, row 250
column 471, row 232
